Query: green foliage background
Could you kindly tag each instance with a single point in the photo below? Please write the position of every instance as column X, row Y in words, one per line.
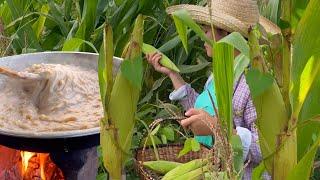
column 77, row 25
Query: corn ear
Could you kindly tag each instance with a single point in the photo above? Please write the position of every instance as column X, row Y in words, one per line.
column 117, row 128
column 165, row 61
column 107, row 136
column 193, row 175
column 184, row 168
column 161, row 167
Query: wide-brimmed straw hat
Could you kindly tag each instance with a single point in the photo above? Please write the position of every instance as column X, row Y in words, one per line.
column 230, row 15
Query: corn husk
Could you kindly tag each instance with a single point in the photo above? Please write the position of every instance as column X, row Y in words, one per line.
column 120, row 107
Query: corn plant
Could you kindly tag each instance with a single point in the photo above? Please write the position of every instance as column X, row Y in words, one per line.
column 228, row 146
column 283, row 124
column 119, row 97
column 290, row 141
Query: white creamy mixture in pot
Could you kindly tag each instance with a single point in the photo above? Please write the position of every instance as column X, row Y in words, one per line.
column 67, row 98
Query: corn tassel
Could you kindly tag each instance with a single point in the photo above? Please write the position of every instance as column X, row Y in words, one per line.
column 164, row 61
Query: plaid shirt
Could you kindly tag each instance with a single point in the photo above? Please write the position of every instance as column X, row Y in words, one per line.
column 244, row 115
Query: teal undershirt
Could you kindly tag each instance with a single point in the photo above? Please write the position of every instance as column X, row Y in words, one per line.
column 203, row 102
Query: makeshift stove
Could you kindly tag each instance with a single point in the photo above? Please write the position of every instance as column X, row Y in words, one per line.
column 27, row 165
column 70, row 162
column 60, row 155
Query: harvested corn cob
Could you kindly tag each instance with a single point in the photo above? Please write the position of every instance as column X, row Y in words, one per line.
column 165, row 61
column 161, row 167
column 120, row 104
column 185, row 168
column 193, row 175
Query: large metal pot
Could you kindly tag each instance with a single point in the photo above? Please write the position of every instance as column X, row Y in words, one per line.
column 51, row 141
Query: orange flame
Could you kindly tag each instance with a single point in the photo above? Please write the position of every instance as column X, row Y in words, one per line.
column 25, row 160
column 26, row 156
column 43, row 159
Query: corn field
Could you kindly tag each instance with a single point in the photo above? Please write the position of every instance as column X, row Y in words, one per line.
column 284, row 74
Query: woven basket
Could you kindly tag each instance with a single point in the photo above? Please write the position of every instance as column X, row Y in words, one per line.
column 166, row 152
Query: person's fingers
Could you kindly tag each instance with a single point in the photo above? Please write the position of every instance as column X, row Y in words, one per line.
column 156, row 58
column 188, row 121
column 155, row 61
column 149, row 58
column 192, row 112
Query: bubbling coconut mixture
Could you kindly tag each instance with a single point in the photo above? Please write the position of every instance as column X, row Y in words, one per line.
column 67, row 98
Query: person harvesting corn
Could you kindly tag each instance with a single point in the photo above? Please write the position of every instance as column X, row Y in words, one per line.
column 226, row 16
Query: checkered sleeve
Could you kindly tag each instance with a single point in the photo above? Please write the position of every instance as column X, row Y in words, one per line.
column 250, row 116
column 188, row 101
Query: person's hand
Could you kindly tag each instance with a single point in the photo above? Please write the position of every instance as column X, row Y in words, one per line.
column 154, row 59
column 199, row 121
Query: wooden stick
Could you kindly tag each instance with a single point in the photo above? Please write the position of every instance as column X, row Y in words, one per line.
column 19, row 75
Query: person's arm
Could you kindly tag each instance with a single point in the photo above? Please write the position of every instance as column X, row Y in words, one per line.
column 244, row 119
column 183, row 92
column 250, row 117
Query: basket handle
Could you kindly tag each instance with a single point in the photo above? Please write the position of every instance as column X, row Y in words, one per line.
column 175, row 119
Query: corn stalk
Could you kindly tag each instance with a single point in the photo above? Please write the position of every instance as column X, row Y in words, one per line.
column 120, row 101
column 287, row 146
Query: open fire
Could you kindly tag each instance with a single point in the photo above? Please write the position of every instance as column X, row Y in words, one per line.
column 38, row 166
column 23, row 165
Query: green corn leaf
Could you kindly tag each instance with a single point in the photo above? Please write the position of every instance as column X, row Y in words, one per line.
column 258, row 171
column 195, row 145
column 271, row 11
column 241, row 62
column 27, row 36
column 306, row 48
column 155, row 86
column 271, row 97
column 186, row 19
column 308, row 76
column 305, row 132
column 88, row 20
column 5, row 13
column 298, row 8
column 223, row 78
column 67, row 8
column 303, row 169
column 237, row 152
column 186, row 69
column 237, row 41
column 182, row 31
column 39, row 24
column 168, row 132
column 155, row 130
column 186, row 148
column 118, row 2
column 132, row 71
column 74, row 44
column 172, row 43
column 58, row 17
column 258, row 82
column 164, row 139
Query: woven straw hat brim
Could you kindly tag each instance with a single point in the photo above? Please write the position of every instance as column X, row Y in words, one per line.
column 269, row 26
column 222, row 20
